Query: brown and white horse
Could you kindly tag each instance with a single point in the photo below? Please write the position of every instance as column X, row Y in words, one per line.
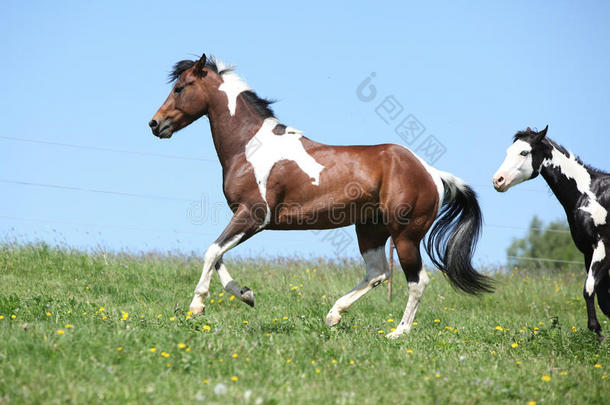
column 275, row 178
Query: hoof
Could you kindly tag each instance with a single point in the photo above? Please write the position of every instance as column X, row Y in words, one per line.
column 247, row 296
column 332, row 319
column 197, row 310
column 394, row 335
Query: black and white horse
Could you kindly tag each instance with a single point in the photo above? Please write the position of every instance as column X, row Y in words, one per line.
column 584, row 193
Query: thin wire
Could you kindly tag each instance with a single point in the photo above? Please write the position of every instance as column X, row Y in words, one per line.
column 121, row 227
column 543, row 259
column 102, row 149
column 92, row 190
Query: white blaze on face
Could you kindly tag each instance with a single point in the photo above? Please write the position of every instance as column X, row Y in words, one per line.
column 517, row 167
column 265, row 149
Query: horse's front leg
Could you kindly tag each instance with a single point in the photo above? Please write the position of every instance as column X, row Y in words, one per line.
column 242, row 226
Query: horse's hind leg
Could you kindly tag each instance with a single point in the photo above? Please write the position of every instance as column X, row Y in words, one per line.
column 371, row 241
column 417, row 279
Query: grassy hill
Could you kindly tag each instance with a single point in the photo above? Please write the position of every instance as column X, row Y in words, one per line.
column 106, row 327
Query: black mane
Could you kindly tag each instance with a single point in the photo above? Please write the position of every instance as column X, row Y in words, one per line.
column 261, row 105
column 528, row 133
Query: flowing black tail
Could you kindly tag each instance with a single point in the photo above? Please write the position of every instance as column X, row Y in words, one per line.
column 454, row 236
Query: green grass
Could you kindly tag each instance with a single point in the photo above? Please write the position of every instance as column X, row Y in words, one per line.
column 61, row 347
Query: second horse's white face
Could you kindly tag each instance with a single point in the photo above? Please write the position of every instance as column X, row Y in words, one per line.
column 516, row 168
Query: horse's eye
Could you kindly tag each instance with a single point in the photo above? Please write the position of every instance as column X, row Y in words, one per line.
column 177, row 90
column 525, row 153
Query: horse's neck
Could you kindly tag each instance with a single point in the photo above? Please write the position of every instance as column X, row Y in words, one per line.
column 567, row 177
column 231, row 133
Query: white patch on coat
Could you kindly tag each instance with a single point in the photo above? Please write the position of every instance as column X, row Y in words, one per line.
column 436, row 177
column 572, row 169
column 232, row 85
column 599, row 254
column 265, row 149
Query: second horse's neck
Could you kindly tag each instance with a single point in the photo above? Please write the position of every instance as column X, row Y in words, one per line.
column 568, row 177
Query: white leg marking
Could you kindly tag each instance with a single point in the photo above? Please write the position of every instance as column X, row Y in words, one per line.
column 212, row 255
column 416, row 290
column 265, row 149
column 376, row 272
column 599, row 254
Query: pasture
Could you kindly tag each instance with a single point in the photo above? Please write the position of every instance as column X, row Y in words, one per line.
column 114, row 328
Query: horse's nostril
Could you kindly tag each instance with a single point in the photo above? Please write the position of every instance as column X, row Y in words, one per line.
column 501, row 180
column 153, row 124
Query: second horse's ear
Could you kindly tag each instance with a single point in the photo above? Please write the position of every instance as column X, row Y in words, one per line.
column 540, row 135
column 198, row 70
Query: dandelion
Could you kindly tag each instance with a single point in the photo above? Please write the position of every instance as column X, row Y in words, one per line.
column 380, row 331
column 390, row 320
column 247, row 358
column 172, row 319
column 352, row 362
column 84, row 313
column 334, row 361
column 531, row 403
column 69, row 312
column 181, row 345
column 13, row 316
column 104, row 318
column 232, row 298
column 48, row 314
column 518, row 362
column 317, row 371
column 234, row 378
column 514, row 345
column 120, row 348
column 234, row 355
column 563, row 373
column 414, row 323
column 392, row 329
column 125, row 316
column 275, row 319
column 244, row 322
column 437, row 320
column 221, row 294
column 288, row 361
column 153, row 349
column 165, row 354
column 60, row 332
column 220, row 300
column 188, row 349
column 212, row 301
column 1, row 317
column 598, row 365
column 499, row 328
column 409, row 351
column 69, row 326
column 101, row 309
column 574, row 329
column 159, row 316
column 437, row 374
column 206, row 381
column 546, row 378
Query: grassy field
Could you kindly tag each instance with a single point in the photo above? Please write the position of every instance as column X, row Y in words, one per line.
column 113, row 328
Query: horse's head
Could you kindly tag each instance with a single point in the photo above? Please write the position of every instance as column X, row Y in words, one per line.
column 523, row 159
column 189, row 99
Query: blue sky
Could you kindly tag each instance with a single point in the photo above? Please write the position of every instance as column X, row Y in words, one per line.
column 93, row 74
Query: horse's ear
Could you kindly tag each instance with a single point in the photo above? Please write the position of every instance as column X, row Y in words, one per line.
column 199, row 66
column 540, row 135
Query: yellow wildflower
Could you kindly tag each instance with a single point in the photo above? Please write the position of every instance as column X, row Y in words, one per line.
column 69, row 326
column 234, row 378
column 60, row 332
column 206, row 328
column 165, row 354
column 546, row 378
column 181, row 345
